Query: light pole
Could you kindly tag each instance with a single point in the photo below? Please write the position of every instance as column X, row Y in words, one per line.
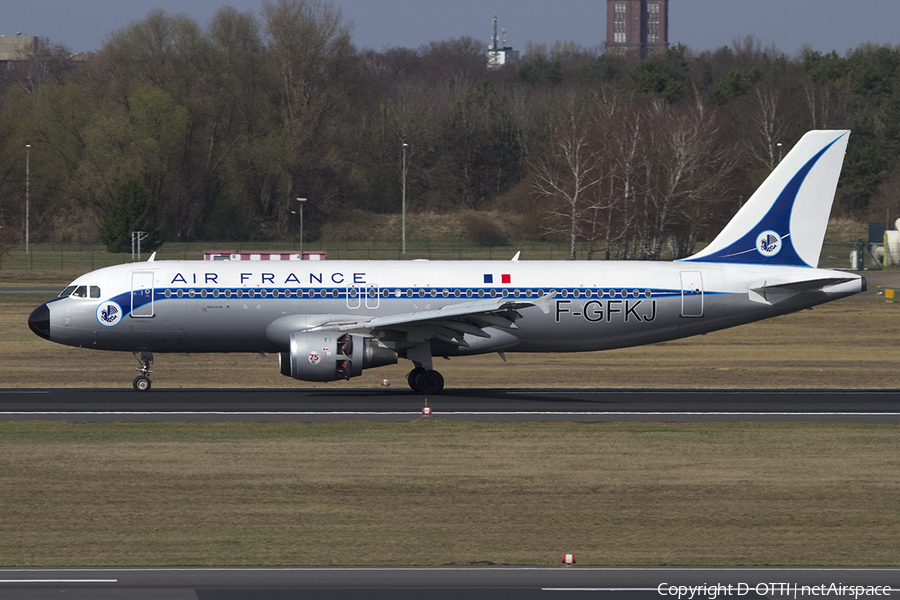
column 27, row 192
column 136, row 237
column 403, row 201
column 301, row 201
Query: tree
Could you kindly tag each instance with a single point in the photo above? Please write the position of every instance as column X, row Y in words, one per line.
column 311, row 54
column 481, row 147
column 568, row 175
column 132, row 209
column 687, row 174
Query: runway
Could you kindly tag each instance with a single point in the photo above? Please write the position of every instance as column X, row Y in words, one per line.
column 496, row 405
column 400, row 583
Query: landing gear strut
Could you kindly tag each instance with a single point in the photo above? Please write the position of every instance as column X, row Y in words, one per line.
column 142, row 381
column 425, row 381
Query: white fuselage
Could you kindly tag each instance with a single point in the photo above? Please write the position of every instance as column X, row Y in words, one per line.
column 205, row 306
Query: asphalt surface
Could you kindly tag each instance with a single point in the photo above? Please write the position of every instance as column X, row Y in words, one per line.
column 399, row 405
column 471, row 583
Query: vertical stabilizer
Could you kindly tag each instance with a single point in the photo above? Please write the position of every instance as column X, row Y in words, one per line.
column 784, row 221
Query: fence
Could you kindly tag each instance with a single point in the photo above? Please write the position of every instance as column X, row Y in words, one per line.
column 82, row 258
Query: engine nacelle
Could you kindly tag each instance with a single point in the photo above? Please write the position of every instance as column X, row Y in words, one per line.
column 330, row 355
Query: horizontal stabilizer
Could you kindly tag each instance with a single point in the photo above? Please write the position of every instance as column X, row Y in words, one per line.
column 774, row 293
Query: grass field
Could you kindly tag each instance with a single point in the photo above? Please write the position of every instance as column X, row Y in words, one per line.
column 433, row 492
column 436, row 492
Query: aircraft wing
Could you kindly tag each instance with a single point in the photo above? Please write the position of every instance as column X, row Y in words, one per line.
column 449, row 323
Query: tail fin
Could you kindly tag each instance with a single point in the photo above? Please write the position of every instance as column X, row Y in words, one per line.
column 784, row 221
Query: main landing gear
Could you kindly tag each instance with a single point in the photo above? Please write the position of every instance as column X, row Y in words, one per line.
column 425, row 381
column 142, row 381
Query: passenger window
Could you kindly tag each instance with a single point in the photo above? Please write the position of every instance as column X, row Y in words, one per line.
column 95, row 291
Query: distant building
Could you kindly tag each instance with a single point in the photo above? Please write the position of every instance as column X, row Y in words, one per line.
column 498, row 52
column 637, row 28
column 13, row 47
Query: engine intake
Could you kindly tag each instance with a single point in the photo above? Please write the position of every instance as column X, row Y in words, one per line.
column 330, row 355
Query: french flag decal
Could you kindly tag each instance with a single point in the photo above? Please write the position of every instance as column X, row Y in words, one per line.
column 505, row 278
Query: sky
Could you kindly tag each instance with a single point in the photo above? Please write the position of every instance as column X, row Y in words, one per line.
column 825, row 25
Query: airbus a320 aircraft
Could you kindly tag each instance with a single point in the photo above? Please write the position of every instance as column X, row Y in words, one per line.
column 330, row 320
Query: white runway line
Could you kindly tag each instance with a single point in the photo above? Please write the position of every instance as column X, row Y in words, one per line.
column 438, row 412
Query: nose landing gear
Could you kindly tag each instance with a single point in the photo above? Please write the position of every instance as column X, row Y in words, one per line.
column 142, row 381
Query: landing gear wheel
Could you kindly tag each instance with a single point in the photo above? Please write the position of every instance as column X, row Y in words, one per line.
column 430, row 382
column 142, row 383
column 412, row 378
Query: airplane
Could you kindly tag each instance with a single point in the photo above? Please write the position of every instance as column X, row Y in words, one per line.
column 330, row 320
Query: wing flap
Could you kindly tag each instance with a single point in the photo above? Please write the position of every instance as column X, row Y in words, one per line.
column 484, row 313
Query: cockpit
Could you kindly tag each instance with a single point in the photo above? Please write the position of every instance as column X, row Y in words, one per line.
column 81, row 291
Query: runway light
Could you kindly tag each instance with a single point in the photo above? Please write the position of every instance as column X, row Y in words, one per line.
column 426, row 412
column 569, row 560
column 385, row 383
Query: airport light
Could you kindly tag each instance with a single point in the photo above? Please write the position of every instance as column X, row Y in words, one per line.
column 403, row 201
column 27, row 192
column 779, row 145
column 301, row 201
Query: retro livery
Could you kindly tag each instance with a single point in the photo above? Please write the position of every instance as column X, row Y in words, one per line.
column 330, row 320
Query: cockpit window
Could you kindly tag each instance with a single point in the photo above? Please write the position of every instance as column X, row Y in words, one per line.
column 80, row 291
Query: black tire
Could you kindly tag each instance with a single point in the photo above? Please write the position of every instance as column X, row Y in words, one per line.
column 141, row 383
column 412, row 378
column 430, row 383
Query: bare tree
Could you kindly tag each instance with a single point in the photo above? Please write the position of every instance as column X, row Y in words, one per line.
column 684, row 174
column 828, row 104
column 311, row 51
column 568, row 175
column 768, row 122
column 628, row 154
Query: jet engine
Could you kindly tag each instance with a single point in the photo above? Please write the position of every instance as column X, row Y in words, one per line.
column 329, row 356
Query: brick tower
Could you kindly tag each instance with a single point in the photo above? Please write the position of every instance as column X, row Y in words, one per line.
column 636, row 28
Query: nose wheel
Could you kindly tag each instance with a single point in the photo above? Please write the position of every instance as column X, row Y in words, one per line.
column 142, row 381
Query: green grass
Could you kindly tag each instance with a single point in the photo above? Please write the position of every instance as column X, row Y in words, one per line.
column 434, row 492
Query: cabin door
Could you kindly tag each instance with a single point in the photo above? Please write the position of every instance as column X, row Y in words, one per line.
column 142, row 294
column 691, row 294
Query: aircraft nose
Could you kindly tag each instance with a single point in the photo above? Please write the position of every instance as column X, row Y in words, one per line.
column 39, row 321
